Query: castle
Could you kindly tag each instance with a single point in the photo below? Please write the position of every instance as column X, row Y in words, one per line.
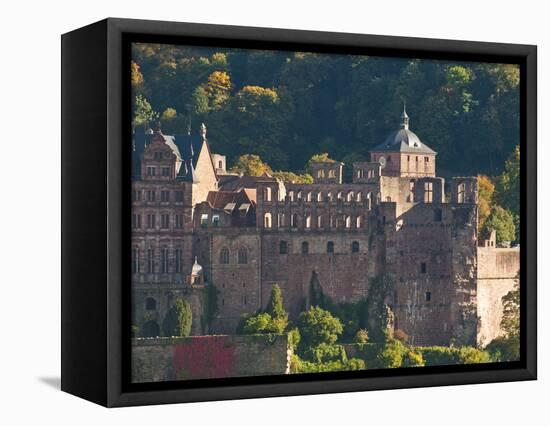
column 194, row 225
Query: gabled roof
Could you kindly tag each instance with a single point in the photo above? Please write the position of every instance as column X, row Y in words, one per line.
column 224, row 200
column 236, row 183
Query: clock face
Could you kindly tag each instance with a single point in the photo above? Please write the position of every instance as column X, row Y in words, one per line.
column 382, row 161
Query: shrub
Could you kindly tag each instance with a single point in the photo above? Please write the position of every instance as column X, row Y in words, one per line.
column 413, row 359
column 504, row 349
column 257, row 324
column 318, row 326
column 178, row 319
column 294, row 338
column 150, row 329
column 325, row 353
column 362, row 336
column 391, row 356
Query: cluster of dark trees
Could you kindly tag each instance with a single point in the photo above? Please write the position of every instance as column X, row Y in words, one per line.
column 287, row 106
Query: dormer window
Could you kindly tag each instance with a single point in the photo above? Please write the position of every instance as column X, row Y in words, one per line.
column 158, row 155
column 151, row 171
column 165, row 171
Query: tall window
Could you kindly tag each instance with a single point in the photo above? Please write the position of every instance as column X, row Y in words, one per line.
column 216, row 219
column 350, row 196
column 428, row 192
column 177, row 260
column 359, row 197
column 291, row 195
column 309, row 197
column 179, row 221
column 151, row 221
column 305, row 247
column 267, row 220
column 179, row 196
column 355, row 247
column 308, row 221
column 157, row 155
column 332, row 173
column 136, row 221
column 411, row 191
column 348, row 221
column 150, row 260
column 438, row 215
column 358, row 222
column 164, row 196
column 267, row 193
column 242, row 256
column 461, row 192
column 320, row 221
column 136, row 195
column 319, row 196
column 294, row 220
column 135, row 260
column 165, row 171
column 151, row 171
column 340, row 195
column 164, row 221
column 204, row 220
column 150, row 304
column 320, row 173
column 280, row 220
column 332, row 220
column 224, row 256
column 283, row 247
column 150, row 195
column 330, row 247
column 164, row 260
column 330, row 197
column 423, row 268
column 369, row 200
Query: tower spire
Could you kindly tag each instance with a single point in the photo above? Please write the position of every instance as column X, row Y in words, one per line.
column 404, row 116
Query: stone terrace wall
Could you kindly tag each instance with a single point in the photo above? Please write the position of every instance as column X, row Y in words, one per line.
column 497, row 270
column 204, row 357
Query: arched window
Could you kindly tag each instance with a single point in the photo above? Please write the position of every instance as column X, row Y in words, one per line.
column 330, row 247
column 291, row 195
column 150, row 304
column 340, row 195
column 369, row 200
column 348, row 221
column 220, row 164
column 355, row 247
column 308, row 221
column 332, row 173
column 350, row 196
column 320, row 173
column 305, row 247
column 267, row 193
column 242, row 256
column 359, row 197
column 358, row 222
column 267, row 220
column 283, row 247
column 294, row 220
column 319, row 196
column 320, row 221
column 224, row 256
column 299, row 195
column 330, row 197
column 309, row 197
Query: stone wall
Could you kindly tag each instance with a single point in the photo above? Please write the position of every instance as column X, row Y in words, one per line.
column 497, row 270
column 206, row 357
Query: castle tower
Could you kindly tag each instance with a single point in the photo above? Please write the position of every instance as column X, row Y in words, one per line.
column 403, row 154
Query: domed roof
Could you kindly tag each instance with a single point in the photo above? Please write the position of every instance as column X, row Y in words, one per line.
column 196, row 269
column 403, row 140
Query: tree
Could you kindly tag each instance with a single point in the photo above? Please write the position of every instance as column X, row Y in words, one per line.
column 501, row 221
column 150, row 329
column 290, row 177
column 362, row 336
column 318, row 326
column 143, row 112
column 178, row 319
column 486, row 189
column 392, row 354
column 257, row 324
column 136, row 76
column 251, row 165
column 218, row 88
column 510, row 314
column 508, row 183
column 275, row 308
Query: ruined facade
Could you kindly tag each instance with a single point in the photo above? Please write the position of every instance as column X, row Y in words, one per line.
column 396, row 218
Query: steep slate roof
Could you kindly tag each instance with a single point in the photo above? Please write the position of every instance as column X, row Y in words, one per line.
column 403, row 140
column 221, row 199
column 186, row 147
column 236, row 183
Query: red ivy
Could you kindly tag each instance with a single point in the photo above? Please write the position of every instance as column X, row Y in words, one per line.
column 204, row 357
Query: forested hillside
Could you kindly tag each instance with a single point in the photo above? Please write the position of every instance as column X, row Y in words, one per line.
column 288, row 106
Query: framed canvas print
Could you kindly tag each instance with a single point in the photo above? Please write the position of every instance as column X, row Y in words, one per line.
column 255, row 212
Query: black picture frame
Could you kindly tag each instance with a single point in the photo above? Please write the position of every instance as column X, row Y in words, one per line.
column 96, row 205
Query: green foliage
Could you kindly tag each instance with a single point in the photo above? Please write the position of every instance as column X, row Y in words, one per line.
column 324, row 353
column 319, row 158
column 503, row 349
column 362, row 336
column 251, row 165
column 287, row 106
column 178, row 319
column 294, row 338
column 318, row 326
column 510, row 314
column 290, row 177
column 273, row 320
column 442, row 355
column 486, row 190
column 298, row 366
column 150, row 328
column 400, row 335
column 502, row 221
column 379, row 314
column 413, row 359
column 392, row 354
column 143, row 112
